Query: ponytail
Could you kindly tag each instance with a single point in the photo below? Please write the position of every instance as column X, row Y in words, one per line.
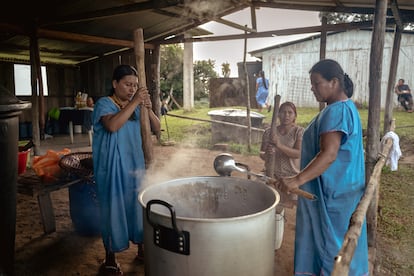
column 263, row 79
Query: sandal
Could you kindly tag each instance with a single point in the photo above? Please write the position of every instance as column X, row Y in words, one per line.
column 110, row 270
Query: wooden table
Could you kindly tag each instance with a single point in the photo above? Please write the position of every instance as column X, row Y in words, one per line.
column 30, row 184
column 70, row 116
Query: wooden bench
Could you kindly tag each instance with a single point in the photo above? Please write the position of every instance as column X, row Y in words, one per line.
column 30, row 184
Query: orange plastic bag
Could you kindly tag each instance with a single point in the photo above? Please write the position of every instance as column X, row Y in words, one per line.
column 47, row 166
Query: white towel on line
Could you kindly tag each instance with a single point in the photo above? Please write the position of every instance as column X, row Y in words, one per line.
column 395, row 151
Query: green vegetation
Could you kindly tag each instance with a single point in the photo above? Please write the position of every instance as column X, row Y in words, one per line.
column 198, row 133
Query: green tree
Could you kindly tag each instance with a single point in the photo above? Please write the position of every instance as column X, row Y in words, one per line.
column 341, row 17
column 171, row 70
column 171, row 73
column 203, row 72
column 225, row 69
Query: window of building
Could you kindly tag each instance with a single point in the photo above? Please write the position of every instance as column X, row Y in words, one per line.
column 22, row 80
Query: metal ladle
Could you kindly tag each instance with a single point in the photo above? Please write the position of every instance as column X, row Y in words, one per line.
column 224, row 165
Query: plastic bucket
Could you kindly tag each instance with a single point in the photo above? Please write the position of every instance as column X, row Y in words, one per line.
column 280, row 227
column 84, row 208
column 22, row 161
column 77, row 129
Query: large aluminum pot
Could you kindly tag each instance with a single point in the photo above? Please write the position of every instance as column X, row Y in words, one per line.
column 212, row 226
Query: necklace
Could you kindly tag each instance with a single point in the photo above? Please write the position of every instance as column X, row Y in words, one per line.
column 117, row 101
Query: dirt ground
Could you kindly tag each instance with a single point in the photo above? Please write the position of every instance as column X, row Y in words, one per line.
column 65, row 252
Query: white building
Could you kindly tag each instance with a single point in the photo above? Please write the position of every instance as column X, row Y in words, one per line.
column 287, row 65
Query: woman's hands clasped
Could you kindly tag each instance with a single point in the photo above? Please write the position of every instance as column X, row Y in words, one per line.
column 142, row 98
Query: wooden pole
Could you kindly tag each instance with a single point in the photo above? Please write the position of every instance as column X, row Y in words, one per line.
column 249, row 122
column 139, row 51
column 322, row 49
column 391, row 78
column 374, row 111
column 344, row 257
column 270, row 164
column 38, row 112
column 155, row 80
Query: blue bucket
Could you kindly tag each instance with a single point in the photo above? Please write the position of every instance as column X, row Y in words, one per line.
column 84, row 208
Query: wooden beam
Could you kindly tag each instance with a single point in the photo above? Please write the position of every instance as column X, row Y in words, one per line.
column 235, row 25
column 396, row 14
column 115, row 11
column 253, row 17
column 291, row 31
column 374, row 111
column 178, row 30
column 59, row 35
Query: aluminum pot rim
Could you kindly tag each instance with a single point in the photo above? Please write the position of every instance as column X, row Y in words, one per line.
column 229, row 219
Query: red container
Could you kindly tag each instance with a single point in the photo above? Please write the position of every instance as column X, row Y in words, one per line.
column 22, row 161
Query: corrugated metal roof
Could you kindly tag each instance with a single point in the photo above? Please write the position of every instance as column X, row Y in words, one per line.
column 60, row 22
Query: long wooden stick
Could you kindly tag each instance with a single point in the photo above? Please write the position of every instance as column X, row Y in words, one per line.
column 139, row 51
column 344, row 257
column 270, row 163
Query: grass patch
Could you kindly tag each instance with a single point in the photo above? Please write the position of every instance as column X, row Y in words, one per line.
column 198, row 133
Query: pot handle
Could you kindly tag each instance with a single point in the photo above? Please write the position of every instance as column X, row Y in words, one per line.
column 169, row 207
column 174, row 240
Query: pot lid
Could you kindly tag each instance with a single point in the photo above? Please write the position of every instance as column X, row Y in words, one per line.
column 9, row 102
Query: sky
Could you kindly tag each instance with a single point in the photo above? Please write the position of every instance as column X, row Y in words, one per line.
column 267, row 19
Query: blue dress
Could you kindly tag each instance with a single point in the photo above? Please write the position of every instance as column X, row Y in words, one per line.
column 119, row 166
column 321, row 224
column 262, row 91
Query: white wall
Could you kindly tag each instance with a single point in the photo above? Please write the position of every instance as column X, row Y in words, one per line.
column 287, row 67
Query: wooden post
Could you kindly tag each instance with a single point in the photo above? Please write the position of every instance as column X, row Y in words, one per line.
column 155, row 80
column 322, row 49
column 188, row 75
column 344, row 257
column 38, row 113
column 246, row 75
column 139, row 51
column 374, row 112
column 391, row 78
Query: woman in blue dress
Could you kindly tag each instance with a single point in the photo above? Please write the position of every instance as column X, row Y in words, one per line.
column 262, row 90
column 118, row 162
column 332, row 168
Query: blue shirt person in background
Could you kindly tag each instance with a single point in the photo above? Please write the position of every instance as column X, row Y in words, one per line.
column 332, row 168
column 262, row 90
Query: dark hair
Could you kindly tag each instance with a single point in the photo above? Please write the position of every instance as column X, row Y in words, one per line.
column 262, row 74
column 288, row 104
column 330, row 69
column 402, row 80
column 121, row 71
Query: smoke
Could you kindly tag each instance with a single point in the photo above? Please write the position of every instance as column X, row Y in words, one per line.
column 203, row 9
column 181, row 164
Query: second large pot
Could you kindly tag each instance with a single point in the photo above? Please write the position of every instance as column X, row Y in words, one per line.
column 209, row 226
